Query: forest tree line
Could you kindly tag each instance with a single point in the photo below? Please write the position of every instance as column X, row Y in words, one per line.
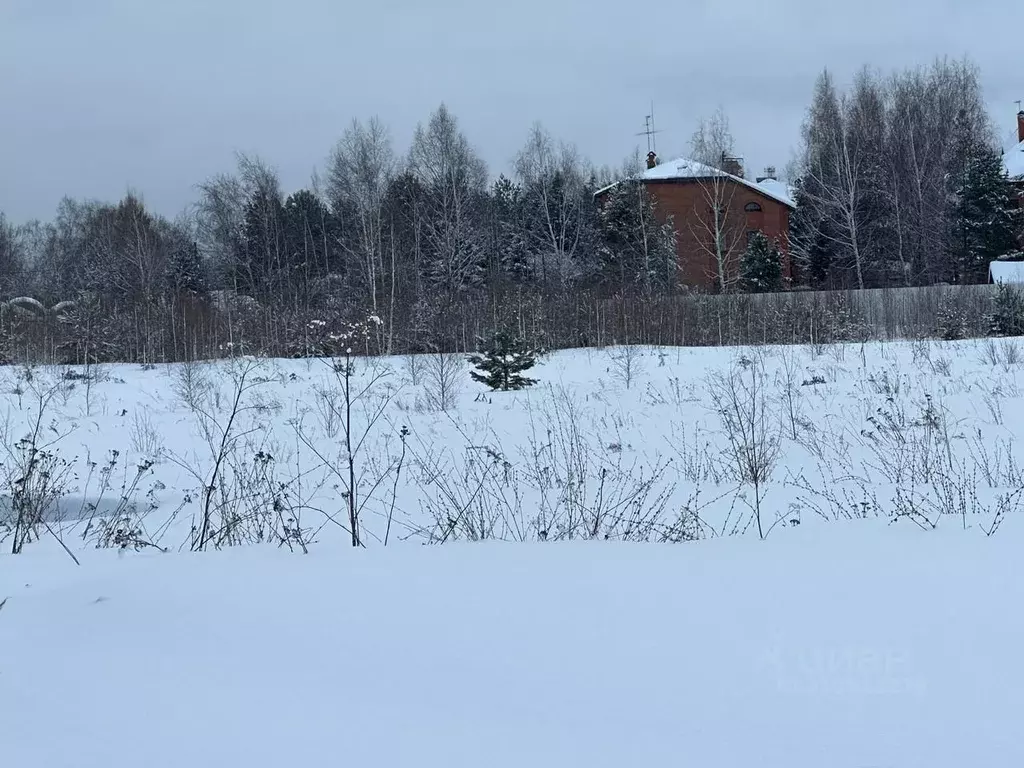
column 899, row 183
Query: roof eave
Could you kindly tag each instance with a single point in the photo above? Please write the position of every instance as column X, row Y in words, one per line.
column 685, row 179
column 742, row 182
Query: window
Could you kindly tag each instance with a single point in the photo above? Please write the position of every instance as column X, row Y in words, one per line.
column 751, row 207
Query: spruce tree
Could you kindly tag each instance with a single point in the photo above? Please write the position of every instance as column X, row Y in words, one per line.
column 502, row 359
column 1008, row 314
column 986, row 219
column 813, row 238
column 637, row 249
column 509, row 245
column 761, row 267
column 952, row 319
column 185, row 271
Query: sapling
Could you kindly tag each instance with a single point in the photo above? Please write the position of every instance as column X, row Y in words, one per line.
column 501, row 362
column 442, row 378
column 627, row 363
column 222, row 429
column 753, row 434
column 373, row 399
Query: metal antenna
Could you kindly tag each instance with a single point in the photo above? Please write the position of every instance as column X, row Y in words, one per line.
column 1018, row 106
column 649, row 131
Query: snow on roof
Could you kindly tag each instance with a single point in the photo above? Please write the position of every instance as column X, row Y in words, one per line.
column 684, row 168
column 1013, row 159
column 1006, row 271
column 681, row 168
column 778, row 190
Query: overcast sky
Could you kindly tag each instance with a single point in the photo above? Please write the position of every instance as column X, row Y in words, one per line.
column 99, row 96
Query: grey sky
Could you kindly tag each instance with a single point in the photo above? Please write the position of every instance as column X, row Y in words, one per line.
column 97, row 96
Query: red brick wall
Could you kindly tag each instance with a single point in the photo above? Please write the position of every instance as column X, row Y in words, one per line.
column 689, row 203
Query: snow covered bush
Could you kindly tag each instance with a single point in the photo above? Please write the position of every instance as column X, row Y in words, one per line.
column 1008, row 311
column 951, row 320
column 740, row 398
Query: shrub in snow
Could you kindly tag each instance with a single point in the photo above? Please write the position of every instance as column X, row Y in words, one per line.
column 501, row 361
column 752, row 430
column 951, row 320
column 1008, row 312
column 442, row 377
column 91, row 334
column 34, row 477
column 843, row 323
column 627, row 363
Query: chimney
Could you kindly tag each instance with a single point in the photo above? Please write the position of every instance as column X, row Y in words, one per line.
column 652, row 160
column 732, row 165
column 1020, row 125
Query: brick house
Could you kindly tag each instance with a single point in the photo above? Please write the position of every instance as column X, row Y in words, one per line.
column 690, row 192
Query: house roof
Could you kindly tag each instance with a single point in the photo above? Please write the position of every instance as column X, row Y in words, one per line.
column 779, row 190
column 683, row 168
column 1006, row 271
column 1013, row 159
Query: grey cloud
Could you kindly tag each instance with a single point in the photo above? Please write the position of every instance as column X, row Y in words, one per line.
column 100, row 96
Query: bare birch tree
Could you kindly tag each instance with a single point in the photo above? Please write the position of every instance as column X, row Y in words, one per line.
column 361, row 169
column 554, row 183
column 241, row 224
column 834, row 167
column 927, row 108
column 454, row 177
column 880, row 167
column 135, row 254
column 716, row 226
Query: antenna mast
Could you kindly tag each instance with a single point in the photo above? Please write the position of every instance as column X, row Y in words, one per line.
column 649, row 131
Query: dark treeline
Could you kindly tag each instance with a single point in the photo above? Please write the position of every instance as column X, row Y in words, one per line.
column 899, row 184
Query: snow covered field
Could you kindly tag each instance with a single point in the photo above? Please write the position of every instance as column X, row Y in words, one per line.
column 877, row 625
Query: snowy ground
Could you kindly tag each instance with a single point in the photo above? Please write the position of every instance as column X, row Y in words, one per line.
column 876, row 626
column 865, row 647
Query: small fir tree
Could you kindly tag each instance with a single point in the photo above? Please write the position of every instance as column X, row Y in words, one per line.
column 501, row 360
column 952, row 320
column 1008, row 312
column 761, row 267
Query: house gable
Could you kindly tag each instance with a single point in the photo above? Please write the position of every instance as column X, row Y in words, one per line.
column 680, row 191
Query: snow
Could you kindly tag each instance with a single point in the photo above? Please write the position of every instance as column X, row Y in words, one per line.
column 862, row 648
column 1013, row 159
column 779, row 190
column 857, row 636
column 1006, row 271
column 682, row 168
column 685, row 168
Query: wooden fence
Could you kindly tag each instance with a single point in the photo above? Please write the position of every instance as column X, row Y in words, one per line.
column 801, row 316
column 171, row 330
